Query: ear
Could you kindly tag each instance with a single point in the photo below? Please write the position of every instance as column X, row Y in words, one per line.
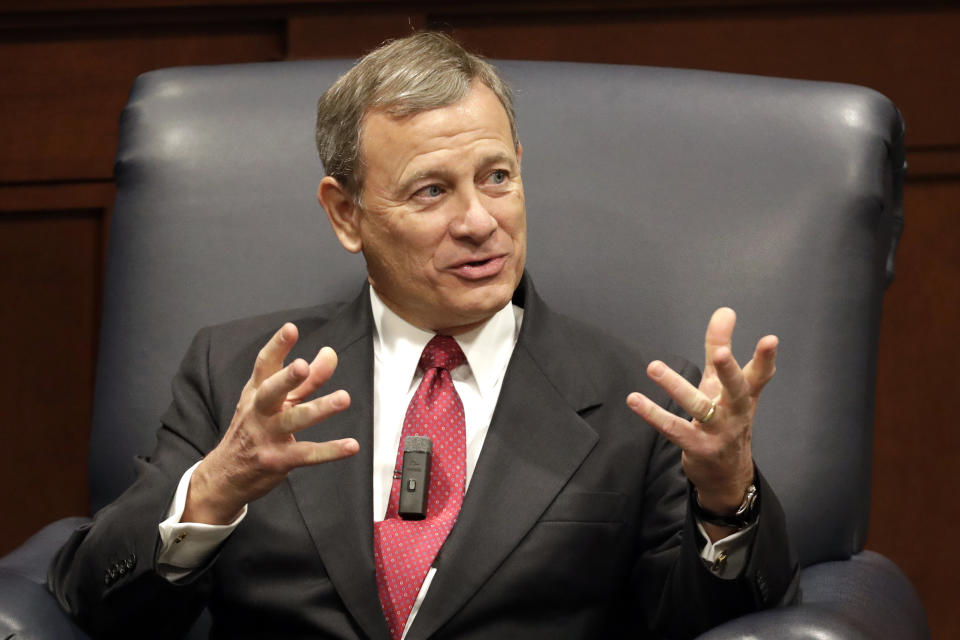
column 343, row 213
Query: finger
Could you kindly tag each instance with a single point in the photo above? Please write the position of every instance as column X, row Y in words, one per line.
column 675, row 429
column 735, row 390
column 307, row 453
column 269, row 398
column 719, row 334
column 759, row 371
column 271, row 356
column 300, row 454
column 321, row 369
column 690, row 399
column 303, row 415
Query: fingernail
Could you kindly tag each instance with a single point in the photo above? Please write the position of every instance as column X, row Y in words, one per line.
column 656, row 368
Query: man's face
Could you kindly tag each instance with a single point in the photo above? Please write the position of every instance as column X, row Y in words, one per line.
column 443, row 224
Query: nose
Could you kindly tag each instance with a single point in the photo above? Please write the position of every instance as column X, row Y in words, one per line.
column 477, row 223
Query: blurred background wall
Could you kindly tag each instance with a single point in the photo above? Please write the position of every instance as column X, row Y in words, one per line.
column 66, row 68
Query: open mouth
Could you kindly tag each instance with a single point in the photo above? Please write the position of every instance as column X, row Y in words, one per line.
column 479, row 269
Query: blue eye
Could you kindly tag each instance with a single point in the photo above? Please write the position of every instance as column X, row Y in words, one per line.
column 431, row 191
column 498, row 177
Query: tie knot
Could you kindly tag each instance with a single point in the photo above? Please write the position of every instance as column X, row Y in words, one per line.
column 442, row 352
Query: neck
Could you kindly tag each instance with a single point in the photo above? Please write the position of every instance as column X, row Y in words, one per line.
column 426, row 325
column 454, row 331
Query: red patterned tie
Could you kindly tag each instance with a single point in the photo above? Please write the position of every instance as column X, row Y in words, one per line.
column 405, row 549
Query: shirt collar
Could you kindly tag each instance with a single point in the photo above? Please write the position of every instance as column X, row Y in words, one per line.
column 488, row 348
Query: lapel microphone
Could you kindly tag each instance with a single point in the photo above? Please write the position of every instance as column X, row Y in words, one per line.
column 415, row 477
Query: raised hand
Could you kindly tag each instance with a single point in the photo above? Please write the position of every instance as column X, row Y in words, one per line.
column 259, row 448
column 716, row 442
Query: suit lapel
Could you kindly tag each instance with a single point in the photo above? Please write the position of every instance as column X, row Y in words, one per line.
column 535, row 443
column 336, row 499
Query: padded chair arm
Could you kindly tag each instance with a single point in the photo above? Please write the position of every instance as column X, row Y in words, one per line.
column 858, row 599
column 27, row 610
column 32, row 558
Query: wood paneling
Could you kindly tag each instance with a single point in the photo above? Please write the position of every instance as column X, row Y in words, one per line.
column 44, row 197
column 347, row 34
column 936, row 162
column 917, row 444
column 904, row 53
column 42, row 7
column 62, row 92
column 52, row 249
column 50, row 271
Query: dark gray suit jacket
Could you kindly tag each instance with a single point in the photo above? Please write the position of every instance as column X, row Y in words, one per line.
column 575, row 523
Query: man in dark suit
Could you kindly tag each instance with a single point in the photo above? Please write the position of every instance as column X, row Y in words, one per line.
column 568, row 516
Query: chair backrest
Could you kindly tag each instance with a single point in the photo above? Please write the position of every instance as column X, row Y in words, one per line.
column 654, row 196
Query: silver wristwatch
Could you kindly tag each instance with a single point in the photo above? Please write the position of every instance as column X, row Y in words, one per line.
column 745, row 515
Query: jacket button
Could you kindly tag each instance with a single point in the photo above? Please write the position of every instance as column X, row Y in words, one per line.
column 762, row 587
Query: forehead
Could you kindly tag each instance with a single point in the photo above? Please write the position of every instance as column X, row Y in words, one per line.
column 476, row 119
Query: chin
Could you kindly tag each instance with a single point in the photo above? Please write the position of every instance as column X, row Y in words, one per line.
column 478, row 305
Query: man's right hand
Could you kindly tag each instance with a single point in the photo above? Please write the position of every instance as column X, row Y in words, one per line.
column 259, row 449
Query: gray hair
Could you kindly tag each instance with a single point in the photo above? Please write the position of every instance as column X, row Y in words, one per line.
column 424, row 71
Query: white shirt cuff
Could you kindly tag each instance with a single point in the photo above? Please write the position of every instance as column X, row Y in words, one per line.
column 727, row 557
column 187, row 546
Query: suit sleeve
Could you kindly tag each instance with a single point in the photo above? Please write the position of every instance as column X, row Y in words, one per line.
column 679, row 596
column 106, row 575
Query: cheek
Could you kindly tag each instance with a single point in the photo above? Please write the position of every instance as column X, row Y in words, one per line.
column 410, row 247
column 512, row 217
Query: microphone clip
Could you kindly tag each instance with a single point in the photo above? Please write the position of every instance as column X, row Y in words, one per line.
column 415, row 477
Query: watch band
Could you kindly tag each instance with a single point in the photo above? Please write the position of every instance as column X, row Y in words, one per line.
column 745, row 515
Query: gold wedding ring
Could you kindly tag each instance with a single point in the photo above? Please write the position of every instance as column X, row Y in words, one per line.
column 713, row 409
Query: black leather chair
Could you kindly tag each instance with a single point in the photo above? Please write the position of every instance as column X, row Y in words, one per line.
column 654, row 196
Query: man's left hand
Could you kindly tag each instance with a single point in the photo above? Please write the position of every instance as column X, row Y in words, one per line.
column 716, row 446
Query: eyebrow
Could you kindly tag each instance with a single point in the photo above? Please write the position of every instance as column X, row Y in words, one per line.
column 439, row 172
column 496, row 158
